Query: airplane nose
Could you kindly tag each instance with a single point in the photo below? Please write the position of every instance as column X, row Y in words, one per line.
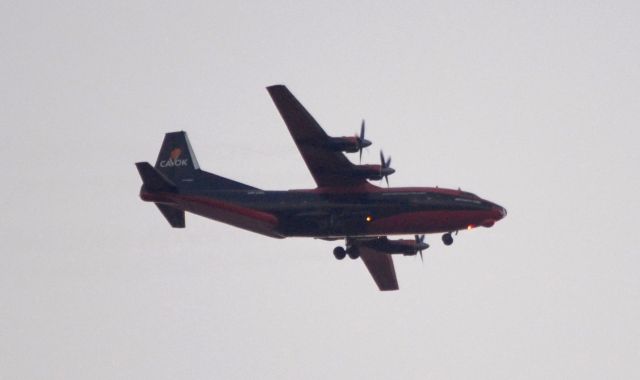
column 498, row 211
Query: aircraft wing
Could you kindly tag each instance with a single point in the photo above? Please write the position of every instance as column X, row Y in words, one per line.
column 380, row 265
column 327, row 166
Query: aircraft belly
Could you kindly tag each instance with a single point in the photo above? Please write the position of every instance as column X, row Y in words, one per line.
column 356, row 225
column 335, row 224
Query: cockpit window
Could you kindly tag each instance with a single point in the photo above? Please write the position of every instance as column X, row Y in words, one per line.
column 470, row 195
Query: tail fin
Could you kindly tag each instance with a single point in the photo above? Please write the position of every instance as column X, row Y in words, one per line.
column 177, row 168
column 177, row 162
column 176, row 159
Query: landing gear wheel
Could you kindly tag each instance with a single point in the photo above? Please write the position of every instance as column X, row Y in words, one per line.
column 339, row 253
column 353, row 253
column 447, row 239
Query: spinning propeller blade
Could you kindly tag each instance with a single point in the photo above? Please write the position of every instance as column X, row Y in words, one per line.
column 421, row 245
column 361, row 140
column 385, row 164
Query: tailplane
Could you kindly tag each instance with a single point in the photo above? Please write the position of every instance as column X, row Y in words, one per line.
column 174, row 216
column 154, row 181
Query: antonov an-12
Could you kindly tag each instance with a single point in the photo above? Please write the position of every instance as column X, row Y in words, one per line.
column 343, row 206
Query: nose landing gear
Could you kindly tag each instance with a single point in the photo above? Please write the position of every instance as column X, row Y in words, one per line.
column 339, row 253
column 447, row 239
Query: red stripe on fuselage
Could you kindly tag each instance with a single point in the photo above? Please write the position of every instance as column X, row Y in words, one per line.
column 172, row 198
column 220, row 205
column 429, row 221
column 242, row 217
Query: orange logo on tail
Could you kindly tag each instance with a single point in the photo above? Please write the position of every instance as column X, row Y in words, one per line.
column 173, row 159
column 175, row 153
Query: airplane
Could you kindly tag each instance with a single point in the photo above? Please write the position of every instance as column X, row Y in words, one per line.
column 343, row 206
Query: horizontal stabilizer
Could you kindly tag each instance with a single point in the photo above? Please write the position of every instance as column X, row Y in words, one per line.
column 174, row 216
column 152, row 179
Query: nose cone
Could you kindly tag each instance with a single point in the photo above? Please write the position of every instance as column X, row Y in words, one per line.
column 500, row 211
column 365, row 143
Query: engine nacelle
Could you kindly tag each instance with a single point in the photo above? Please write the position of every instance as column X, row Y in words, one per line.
column 348, row 144
column 372, row 172
column 407, row 247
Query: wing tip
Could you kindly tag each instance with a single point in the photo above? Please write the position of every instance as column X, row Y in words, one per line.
column 276, row 87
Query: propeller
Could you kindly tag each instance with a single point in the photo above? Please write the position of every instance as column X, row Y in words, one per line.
column 362, row 142
column 385, row 167
column 421, row 245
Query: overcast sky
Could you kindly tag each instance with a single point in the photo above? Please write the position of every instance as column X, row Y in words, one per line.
column 534, row 106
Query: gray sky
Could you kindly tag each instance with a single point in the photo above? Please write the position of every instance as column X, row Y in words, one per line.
column 534, row 105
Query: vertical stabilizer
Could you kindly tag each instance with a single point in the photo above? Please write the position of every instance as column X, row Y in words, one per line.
column 176, row 159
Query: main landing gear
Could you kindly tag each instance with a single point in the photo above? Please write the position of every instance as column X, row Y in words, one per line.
column 340, row 253
column 447, row 239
